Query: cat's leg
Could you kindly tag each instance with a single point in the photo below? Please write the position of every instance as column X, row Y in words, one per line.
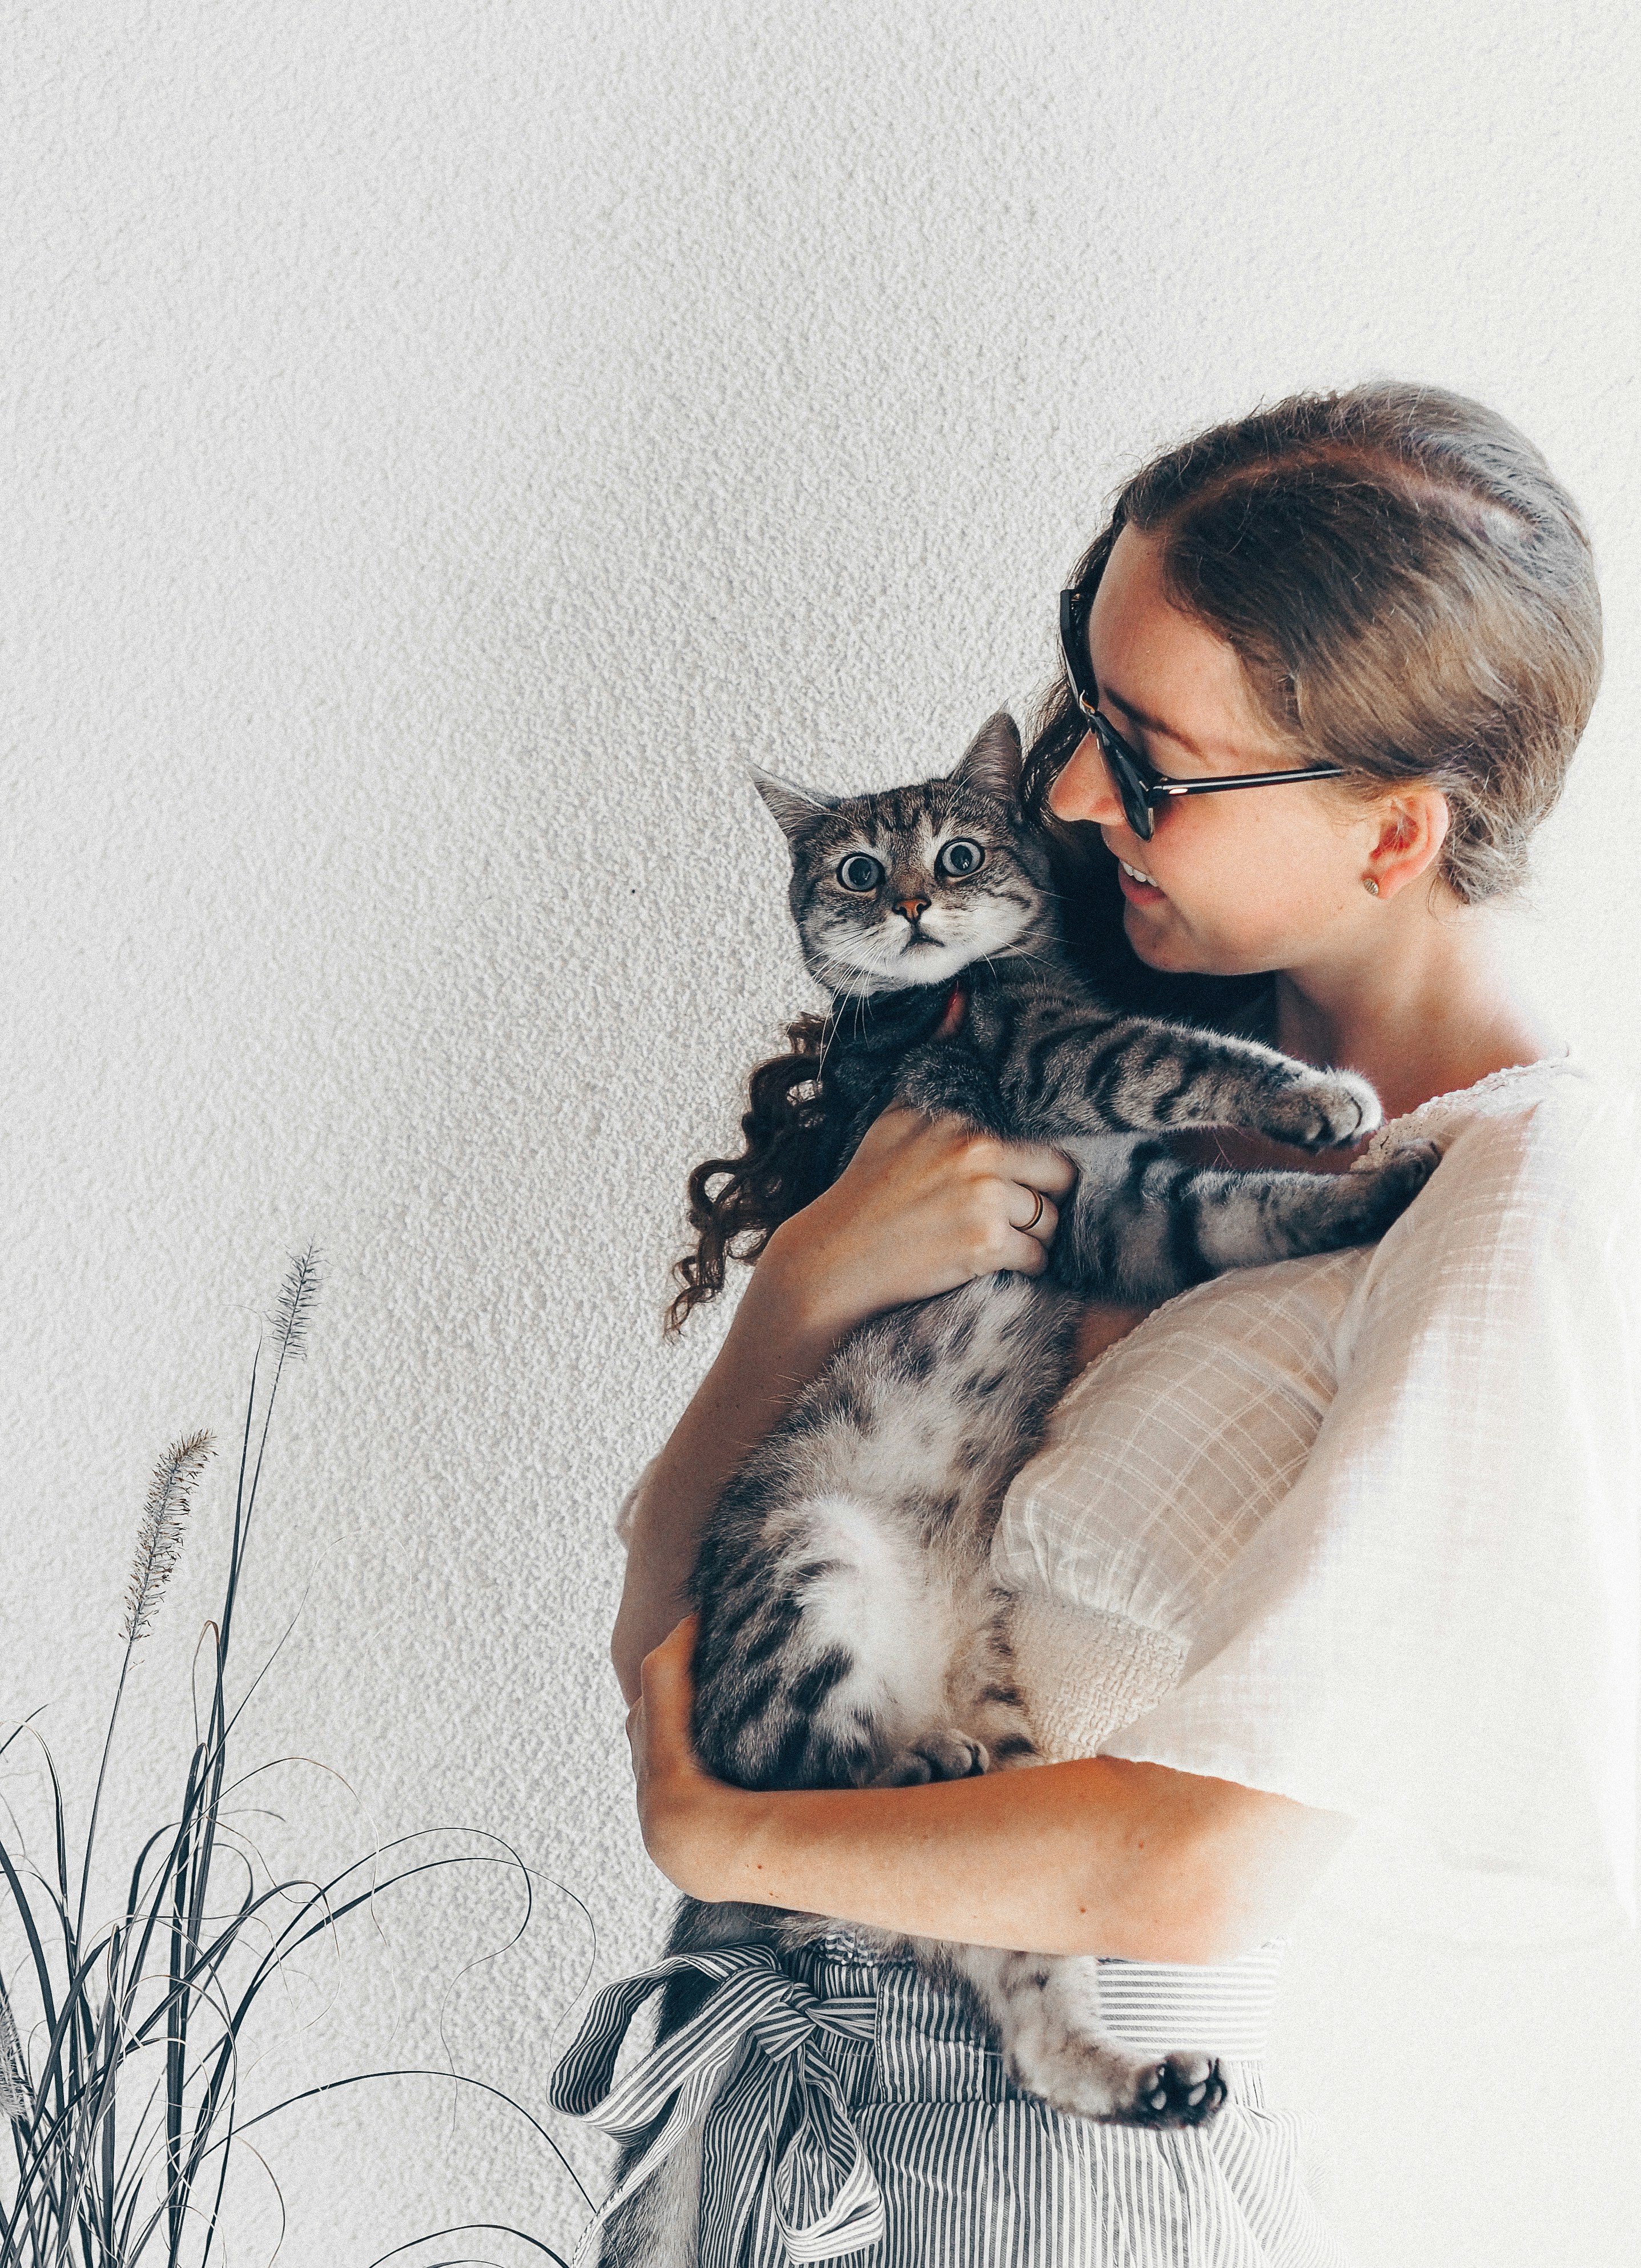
column 823, row 1653
column 1242, row 1219
column 658, row 2226
column 1136, row 1076
column 943, row 1080
column 1143, row 1225
column 1046, row 2010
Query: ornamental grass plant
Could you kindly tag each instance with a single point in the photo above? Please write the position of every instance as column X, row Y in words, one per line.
column 123, row 2041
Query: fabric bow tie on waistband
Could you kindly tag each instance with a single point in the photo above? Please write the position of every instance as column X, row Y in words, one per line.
column 751, row 2054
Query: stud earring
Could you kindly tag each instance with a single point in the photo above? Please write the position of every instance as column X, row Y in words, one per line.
column 1370, row 886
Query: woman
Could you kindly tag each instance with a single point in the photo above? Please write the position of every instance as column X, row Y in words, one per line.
column 1340, row 1550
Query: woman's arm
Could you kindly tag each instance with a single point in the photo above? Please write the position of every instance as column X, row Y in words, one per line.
column 1100, row 1856
column 924, row 1205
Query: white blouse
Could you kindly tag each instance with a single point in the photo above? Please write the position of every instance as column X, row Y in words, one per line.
column 1361, row 1529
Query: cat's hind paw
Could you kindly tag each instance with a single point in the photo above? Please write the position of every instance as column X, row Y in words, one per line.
column 1052, row 2047
column 1407, row 1169
column 1181, row 2090
column 950, row 1754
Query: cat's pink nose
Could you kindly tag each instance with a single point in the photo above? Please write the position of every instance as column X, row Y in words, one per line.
column 911, row 908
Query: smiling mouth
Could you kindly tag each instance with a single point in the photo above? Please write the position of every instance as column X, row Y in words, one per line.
column 1135, row 875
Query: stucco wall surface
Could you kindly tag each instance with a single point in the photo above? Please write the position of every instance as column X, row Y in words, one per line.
column 447, row 442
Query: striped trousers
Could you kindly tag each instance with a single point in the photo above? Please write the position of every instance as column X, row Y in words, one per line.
column 843, row 2107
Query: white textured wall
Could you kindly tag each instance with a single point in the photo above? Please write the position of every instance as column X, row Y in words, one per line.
column 450, row 439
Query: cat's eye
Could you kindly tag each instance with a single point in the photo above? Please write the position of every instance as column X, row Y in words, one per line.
column 957, row 860
column 860, row 872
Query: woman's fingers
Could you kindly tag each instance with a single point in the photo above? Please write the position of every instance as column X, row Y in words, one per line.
column 1021, row 1255
column 1038, row 1166
column 663, row 1678
column 924, row 1204
column 1038, row 1216
column 680, row 1811
column 658, row 1723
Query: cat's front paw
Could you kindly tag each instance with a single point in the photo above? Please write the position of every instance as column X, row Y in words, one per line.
column 950, row 1754
column 1181, row 2090
column 1322, row 1110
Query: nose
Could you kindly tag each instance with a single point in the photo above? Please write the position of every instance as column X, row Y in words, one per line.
column 911, row 908
column 1084, row 789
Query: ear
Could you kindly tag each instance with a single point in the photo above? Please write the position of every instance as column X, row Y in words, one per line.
column 1413, row 825
column 796, row 808
column 991, row 761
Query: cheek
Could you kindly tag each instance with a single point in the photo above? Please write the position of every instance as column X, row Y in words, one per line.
column 1299, row 845
column 1255, row 879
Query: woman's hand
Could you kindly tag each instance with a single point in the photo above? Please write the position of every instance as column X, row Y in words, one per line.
column 924, row 1205
column 687, row 1818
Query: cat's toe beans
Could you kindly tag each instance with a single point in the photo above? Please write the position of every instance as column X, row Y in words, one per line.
column 941, row 1755
column 1179, row 2091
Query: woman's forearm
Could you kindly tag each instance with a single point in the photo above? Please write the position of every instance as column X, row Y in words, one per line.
column 1100, row 1856
column 1096, row 1857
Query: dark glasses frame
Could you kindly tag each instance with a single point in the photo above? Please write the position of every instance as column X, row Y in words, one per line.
column 1139, row 784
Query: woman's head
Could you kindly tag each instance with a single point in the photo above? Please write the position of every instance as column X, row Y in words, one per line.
column 1389, row 580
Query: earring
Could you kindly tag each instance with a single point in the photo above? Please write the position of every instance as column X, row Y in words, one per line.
column 1370, row 886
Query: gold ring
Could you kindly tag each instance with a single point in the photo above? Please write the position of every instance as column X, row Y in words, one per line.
column 1036, row 1217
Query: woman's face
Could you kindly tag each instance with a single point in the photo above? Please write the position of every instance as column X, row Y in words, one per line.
column 1256, row 878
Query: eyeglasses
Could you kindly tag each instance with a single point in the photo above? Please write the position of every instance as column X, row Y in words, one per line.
column 1138, row 782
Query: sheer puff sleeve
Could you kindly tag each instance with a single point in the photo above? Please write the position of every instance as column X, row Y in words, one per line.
column 1436, row 1628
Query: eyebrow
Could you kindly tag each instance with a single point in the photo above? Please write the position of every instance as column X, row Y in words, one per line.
column 1149, row 723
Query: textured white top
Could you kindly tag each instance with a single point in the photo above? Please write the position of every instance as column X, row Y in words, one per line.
column 1362, row 1529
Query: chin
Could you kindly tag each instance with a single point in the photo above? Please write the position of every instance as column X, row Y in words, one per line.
column 1158, row 950
column 1174, row 955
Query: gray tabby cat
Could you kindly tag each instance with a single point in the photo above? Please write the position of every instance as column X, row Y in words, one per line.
column 851, row 1632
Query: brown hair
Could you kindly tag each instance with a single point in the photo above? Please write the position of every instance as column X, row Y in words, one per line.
column 1412, row 595
column 1410, row 591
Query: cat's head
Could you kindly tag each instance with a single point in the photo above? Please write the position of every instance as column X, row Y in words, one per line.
column 909, row 887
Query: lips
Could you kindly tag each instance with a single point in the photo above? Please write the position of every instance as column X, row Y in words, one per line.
column 1137, row 888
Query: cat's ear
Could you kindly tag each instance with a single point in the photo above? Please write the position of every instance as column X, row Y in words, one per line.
column 796, row 808
column 991, row 761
